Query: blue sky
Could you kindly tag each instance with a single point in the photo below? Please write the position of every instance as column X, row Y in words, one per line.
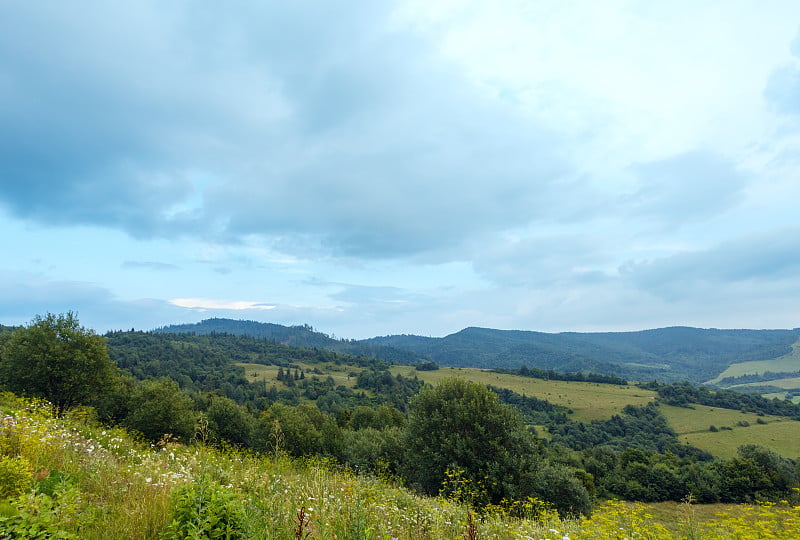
column 373, row 168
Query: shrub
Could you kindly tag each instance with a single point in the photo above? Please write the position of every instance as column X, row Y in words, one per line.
column 205, row 509
column 15, row 476
column 40, row 524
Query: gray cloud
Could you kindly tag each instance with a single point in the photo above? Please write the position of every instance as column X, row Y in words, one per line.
column 267, row 121
column 543, row 261
column 760, row 261
column 689, row 187
column 22, row 297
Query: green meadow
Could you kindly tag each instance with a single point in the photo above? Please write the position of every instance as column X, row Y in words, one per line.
column 734, row 428
column 588, row 401
column 786, row 363
column 342, row 374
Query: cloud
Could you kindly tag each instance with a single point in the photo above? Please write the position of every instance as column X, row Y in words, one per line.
column 358, row 138
column 760, row 261
column 543, row 261
column 204, row 304
column 368, row 295
column 692, row 186
column 23, row 296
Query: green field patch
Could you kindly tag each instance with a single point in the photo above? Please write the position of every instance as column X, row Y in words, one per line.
column 788, row 383
column 588, row 401
column 786, row 363
column 780, row 437
column 693, row 427
column 342, row 375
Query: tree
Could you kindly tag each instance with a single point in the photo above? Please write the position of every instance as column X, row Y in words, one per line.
column 57, row 359
column 160, row 407
column 461, row 427
column 229, row 421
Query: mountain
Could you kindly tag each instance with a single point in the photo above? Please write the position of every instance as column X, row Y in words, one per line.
column 664, row 354
column 295, row 336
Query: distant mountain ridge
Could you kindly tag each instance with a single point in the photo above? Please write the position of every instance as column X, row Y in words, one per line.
column 664, row 354
column 295, row 336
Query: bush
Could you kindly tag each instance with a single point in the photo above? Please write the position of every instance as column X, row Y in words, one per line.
column 205, row 510
column 15, row 476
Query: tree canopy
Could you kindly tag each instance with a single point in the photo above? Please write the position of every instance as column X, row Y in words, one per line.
column 57, row 359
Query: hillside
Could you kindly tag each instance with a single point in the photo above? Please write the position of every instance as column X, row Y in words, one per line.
column 665, row 354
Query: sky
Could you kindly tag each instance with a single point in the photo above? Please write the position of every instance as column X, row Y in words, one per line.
column 410, row 167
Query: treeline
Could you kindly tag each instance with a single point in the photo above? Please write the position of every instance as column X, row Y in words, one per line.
column 552, row 375
column 757, row 377
column 684, row 394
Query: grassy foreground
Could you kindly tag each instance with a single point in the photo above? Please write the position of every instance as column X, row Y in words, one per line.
column 72, row 478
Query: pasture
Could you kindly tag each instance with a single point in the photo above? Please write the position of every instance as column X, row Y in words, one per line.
column 693, row 427
column 588, row 401
column 341, row 374
column 783, row 364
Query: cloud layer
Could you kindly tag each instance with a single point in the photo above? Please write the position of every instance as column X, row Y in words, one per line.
column 402, row 166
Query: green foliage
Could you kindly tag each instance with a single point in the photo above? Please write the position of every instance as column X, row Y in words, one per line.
column 204, row 509
column 553, row 375
column 159, row 407
column 427, row 366
column 757, row 474
column 54, row 481
column 229, row 422
column 462, row 426
column 683, row 394
column 303, row 431
column 56, row 359
column 15, row 476
column 38, row 520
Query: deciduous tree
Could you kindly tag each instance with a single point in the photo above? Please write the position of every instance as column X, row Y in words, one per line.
column 57, row 359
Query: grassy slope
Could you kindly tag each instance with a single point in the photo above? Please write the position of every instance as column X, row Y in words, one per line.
column 340, row 374
column 788, row 383
column 786, row 363
column 589, row 401
column 692, row 425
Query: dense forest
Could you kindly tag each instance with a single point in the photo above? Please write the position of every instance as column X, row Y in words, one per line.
column 459, row 438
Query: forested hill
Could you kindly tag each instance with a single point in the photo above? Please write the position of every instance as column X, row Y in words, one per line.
column 295, row 336
column 665, row 354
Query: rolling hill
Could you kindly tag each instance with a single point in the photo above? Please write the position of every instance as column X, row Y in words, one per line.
column 665, row 354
